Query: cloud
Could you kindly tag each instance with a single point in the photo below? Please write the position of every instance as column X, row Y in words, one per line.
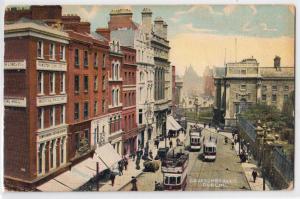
column 266, row 28
column 189, row 27
column 254, row 10
column 246, row 27
column 192, row 9
column 292, row 9
column 228, row 10
column 86, row 13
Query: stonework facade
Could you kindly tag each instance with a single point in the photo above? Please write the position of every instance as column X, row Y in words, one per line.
column 242, row 84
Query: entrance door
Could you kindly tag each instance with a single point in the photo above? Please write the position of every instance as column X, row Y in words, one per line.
column 243, row 105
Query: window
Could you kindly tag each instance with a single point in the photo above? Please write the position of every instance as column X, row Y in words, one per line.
column 85, row 60
column 86, row 83
column 52, row 116
column 51, row 154
column 264, row 87
column 243, row 87
column 95, row 107
column 62, row 82
column 264, row 97
column 274, row 98
column 95, row 60
column 96, row 83
column 140, row 116
column 40, row 118
column 243, row 72
column 86, row 110
column 62, row 114
column 62, row 150
column 86, row 134
column 113, row 97
column 40, row 161
column 76, row 83
column 76, row 111
column 103, row 105
column 40, row 50
column 52, row 51
column 117, row 97
column 103, row 60
column 286, row 97
column 40, row 83
column 286, row 88
column 236, row 96
column 274, row 88
column 77, row 138
column 52, row 82
column 77, row 57
column 178, row 181
column 62, row 54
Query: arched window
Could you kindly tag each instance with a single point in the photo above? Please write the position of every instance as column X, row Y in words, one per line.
column 113, row 97
column 117, row 97
column 141, row 76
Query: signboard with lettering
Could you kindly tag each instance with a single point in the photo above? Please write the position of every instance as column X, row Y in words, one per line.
column 51, row 65
column 15, row 102
column 15, row 65
column 51, row 100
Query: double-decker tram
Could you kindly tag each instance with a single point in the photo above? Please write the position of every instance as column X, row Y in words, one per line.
column 174, row 169
column 195, row 138
column 210, row 148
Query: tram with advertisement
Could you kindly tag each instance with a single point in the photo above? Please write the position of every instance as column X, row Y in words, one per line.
column 210, row 148
column 174, row 169
column 195, row 137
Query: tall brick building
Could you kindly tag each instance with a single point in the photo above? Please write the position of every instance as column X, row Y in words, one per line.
column 56, row 84
column 35, row 93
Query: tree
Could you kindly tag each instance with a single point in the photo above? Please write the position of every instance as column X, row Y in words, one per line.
column 288, row 109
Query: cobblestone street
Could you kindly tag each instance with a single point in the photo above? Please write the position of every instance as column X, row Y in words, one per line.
column 226, row 173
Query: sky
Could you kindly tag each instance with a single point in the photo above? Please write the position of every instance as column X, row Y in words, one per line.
column 209, row 35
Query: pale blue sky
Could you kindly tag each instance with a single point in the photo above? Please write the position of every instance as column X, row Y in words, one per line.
column 199, row 34
column 258, row 20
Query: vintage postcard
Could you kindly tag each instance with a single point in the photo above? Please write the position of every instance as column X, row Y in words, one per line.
column 110, row 98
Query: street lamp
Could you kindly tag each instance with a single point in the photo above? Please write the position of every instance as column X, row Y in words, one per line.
column 266, row 132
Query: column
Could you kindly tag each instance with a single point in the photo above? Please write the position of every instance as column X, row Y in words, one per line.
column 57, row 152
column 221, row 105
column 54, row 153
column 227, row 113
column 216, row 95
column 258, row 91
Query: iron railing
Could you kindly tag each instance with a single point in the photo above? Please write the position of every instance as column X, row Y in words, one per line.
column 283, row 164
column 247, row 127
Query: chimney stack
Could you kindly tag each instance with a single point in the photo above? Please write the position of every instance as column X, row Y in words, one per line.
column 277, row 62
column 147, row 20
column 158, row 26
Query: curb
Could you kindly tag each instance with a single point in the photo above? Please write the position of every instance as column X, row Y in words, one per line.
column 129, row 181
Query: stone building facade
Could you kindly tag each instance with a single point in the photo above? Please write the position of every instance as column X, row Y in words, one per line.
column 239, row 85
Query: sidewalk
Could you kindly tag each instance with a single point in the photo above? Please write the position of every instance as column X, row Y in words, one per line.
column 121, row 181
column 248, row 168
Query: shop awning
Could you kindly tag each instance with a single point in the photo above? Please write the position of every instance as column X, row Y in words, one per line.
column 172, row 124
column 71, row 180
column 53, row 186
column 108, row 155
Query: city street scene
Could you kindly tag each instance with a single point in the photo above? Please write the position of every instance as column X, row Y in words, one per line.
column 149, row 98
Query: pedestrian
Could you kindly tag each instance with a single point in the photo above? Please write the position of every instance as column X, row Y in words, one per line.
column 171, row 144
column 112, row 178
column 151, row 154
column 157, row 143
column 120, row 168
column 177, row 142
column 133, row 156
column 133, row 183
column 125, row 163
column 254, row 175
column 208, row 125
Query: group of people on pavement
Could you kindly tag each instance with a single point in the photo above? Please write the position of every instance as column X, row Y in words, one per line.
column 122, row 164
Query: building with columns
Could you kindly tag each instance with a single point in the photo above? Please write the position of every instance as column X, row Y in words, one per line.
column 241, row 84
column 162, row 75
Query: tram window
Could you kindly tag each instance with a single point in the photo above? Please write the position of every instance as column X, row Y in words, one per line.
column 178, row 180
column 166, row 180
column 172, row 180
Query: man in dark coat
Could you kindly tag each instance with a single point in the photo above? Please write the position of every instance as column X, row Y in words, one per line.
column 254, row 175
column 112, row 178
